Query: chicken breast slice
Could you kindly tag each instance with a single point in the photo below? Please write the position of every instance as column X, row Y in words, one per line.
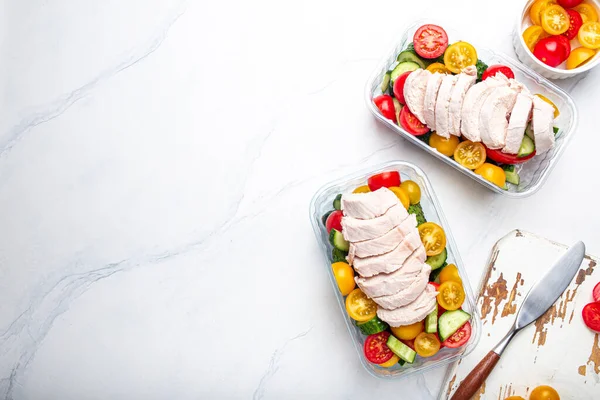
column 466, row 79
column 407, row 295
column 473, row 103
column 521, row 113
column 368, row 205
column 442, row 106
column 389, row 262
column 431, row 94
column 413, row 312
column 414, row 92
column 402, row 278
column 543, row 125
column 493, row 117
column 387, row 242
column 356, row 230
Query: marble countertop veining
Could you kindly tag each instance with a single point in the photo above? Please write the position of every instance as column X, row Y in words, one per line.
column 157, row 159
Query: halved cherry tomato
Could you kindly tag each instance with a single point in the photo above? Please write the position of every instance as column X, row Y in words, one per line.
column 384, row 179
column 408, row 332
column 579, row 56
column 401, row 195
column 438, row 67
column 334, row 221
column 555, row 20
column 399, row 87
column 547, row 100
column 430, row 41
column 596, row 292
column 535, row 12
column 459, row 56
column 532, row 35
column 588, row 12
column 344, row 277
column 391, row 362
column 433, row 238
column 359, row 307
column 413, row 190
column 544, row 392
column 450, row 273
column 362, row 189
column 494, row 69
column 589, row 35
column 469, row 154
column 446, row 146
column 492, row 173
column 575, row 23
column 411, row 124
column 427, row 344
column 376, row 349
column 503, row 158
column 451, row 295
column 569, row 3
column 551, row 51
column 385, row 104
column 460, row 337
column 591, row 316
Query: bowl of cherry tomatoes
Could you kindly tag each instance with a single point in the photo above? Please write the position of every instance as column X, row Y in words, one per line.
column 559, row 38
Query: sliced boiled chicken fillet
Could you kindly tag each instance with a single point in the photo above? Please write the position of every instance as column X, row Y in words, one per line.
column 493, row 117
column 368, row 205
column 466, row 79
column 543, row 125
column 413, row 312
column 473, row 103
column 356, row 230
column 442, row 106
column 431, row 94
column 521, row 113
column 387, row 242
column 414, row 92
column 406, row 295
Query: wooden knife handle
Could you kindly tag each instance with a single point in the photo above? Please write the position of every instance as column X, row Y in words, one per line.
column 469, row 386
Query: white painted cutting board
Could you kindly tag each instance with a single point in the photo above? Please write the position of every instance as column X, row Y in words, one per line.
column 557, row 350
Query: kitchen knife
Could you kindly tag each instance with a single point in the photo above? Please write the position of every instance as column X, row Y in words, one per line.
column 538, row 300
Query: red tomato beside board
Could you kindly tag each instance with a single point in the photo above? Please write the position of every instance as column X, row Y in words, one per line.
column 596, row 292
column 430, row 41
column 334, row 221
column 384, row 179
column 376, row 349
column 399, row 87
column 459, row 338
column 591, row 316
column 494, row 69
column 385, row 103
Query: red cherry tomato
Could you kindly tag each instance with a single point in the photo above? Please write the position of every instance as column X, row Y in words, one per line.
column 503, row 158
column 430, row 41
column 569, row 3
column 460, row 337
column 597, row 292
column 376, row 349
column 591, row 316
column 384, row 179
column 551, row 51
column 399, row 87
column 575, row 23
column 334, row 221
column 494, row 69
column 411, row 124
column 385, row 103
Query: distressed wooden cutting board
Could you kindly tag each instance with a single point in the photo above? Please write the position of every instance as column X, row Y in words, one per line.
column 557, row 350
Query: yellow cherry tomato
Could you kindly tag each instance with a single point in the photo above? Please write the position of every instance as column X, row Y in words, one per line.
column 470, row 155
column 532, row 35
column 413, row 190
column 589, row 35
column 446, row 146
column 459, row 56
column 514, row 398
column 427, row 344
column 362, row 189
column 433, row 238
column 579, row 56
column 391, row 362
column 408, row 332
column 451, row 295
column 450, row 273
column 359, row 307
column 547, row 100
column 544, row 393
column 555, row 20
column 401, row 195
column 492, row 173
column 438, row 67
column 535, row 12
column 587, row 11
column 344, row 276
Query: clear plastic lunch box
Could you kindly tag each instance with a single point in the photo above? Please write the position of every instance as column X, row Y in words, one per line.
column 322, row 202
column 534, row 172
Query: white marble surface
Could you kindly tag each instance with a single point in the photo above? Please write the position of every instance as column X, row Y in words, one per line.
column 157, row 159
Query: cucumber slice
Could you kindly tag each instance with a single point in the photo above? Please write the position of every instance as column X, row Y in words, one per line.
column 402, row 68
column 408, row 55
column 527, row 147
column 511, row 174
column 338, row 255
column 386, row 82
column 431, row 322
column 372, row 326
column 436, row 272
column 437, row 261
column 529, row 131
column 450, row 322
column 337, row 240
column 397, row 109
column 401, row 350
column 337, row 203
column 325, row 216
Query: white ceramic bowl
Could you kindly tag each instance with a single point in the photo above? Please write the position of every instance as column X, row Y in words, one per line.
column 527, row 58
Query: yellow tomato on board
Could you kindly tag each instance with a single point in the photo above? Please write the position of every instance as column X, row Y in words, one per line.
column 459, row 56
column 408, row 332
column 446, row 146
column 514, row 398
column 344, row 276
column 544, row 393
